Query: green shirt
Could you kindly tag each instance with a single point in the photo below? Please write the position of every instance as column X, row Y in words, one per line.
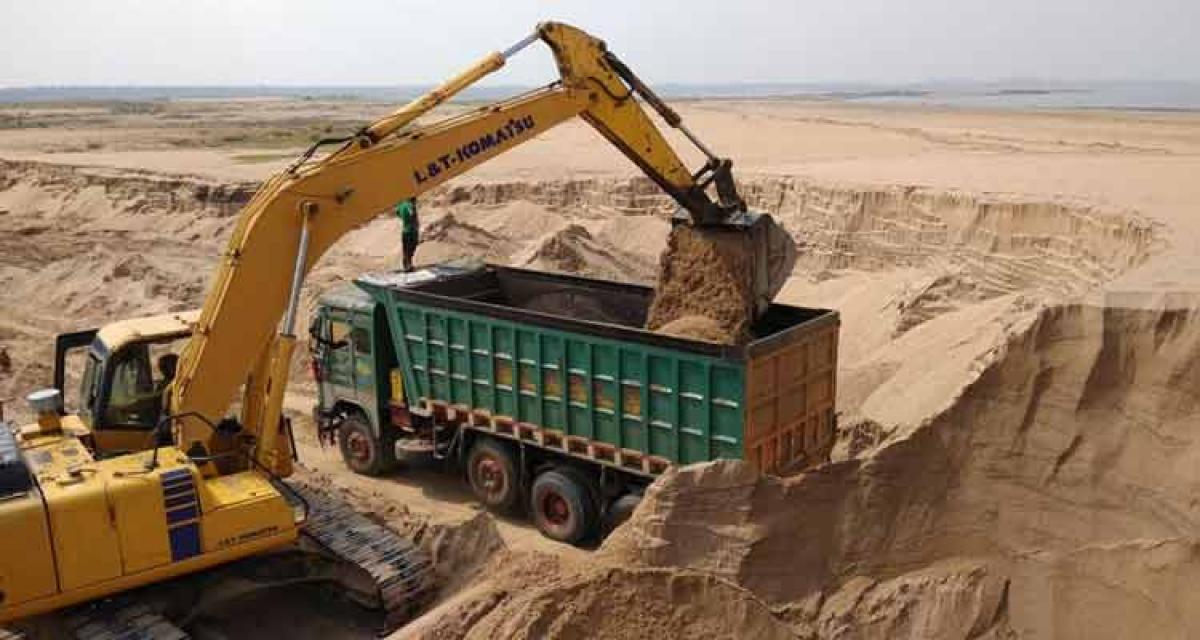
column 407, row 212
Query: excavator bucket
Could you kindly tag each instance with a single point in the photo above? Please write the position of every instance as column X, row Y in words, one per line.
column 774, row 258
column 771, row 250
column 722, row 274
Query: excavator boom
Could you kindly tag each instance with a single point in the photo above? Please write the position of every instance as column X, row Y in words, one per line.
column 297, row 215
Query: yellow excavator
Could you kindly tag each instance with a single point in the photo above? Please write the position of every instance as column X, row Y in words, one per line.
column 178, row 470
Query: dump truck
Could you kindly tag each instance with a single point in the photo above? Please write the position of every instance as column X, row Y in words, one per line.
column 547, row 392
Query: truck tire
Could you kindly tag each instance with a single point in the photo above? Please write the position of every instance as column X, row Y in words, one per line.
column 619, row 511
column 562, row 506
column 361, row 450
column 492, row 474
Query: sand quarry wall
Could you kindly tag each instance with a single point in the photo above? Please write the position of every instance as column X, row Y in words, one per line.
column 1006, row 242
column 79, row 247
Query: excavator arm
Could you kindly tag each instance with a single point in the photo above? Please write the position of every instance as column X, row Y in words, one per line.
column 246, row 330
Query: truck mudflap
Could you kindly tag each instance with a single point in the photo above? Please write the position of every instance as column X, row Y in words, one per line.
column 401, row 580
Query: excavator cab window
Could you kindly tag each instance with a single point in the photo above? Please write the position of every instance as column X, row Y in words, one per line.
column 131, row 394
column 89, row 388
column 132, row 401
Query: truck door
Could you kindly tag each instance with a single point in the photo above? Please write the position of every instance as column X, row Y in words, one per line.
column 337, row 359
column 361, row 339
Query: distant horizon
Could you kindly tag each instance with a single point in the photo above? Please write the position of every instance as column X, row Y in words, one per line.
column 1005, row 93
column 748, row 83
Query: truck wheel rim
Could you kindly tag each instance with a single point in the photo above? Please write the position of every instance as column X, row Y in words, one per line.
column 359, row 448
column 490, row 474
column 555, row 509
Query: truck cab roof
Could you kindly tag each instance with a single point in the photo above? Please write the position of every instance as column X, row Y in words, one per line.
column 347, row 296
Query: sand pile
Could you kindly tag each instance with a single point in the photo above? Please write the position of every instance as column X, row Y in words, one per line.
column 951, row 600
column 698, row 328
column 706, row 273
column 517, row 220
column 1055, row 497
column 573, row 249
column 536, row 596
column 561, row 250
column 448, row 237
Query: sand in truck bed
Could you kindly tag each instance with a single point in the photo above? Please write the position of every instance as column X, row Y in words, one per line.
column 705, row 289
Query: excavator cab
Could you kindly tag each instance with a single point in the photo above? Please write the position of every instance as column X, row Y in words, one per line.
column 125, row 371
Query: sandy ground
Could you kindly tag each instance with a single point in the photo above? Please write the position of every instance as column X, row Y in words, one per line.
column 1018, row 361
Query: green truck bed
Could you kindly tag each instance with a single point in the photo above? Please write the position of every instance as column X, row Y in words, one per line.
column 563, row 362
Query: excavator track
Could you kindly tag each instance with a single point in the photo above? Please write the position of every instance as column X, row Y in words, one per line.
column 119, row 621
column 402, row 575
column 123, row 618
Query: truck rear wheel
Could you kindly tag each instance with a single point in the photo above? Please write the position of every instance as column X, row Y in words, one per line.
column 492, row 474
column 361, row 450
column 562, row 506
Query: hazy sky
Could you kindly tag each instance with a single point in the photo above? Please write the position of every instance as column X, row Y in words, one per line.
column 375, row 42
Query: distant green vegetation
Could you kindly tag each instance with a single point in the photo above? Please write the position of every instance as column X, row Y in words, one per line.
column 259, row 158
column 136, row 108
column 273, row 136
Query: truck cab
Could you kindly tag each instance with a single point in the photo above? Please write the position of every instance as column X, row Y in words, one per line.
column 359, row 401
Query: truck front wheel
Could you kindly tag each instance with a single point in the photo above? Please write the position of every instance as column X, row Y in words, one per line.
column 492, row 474
column 562, row 506
column 361, row 450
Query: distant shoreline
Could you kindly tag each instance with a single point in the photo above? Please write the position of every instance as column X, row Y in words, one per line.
column 1126, row 96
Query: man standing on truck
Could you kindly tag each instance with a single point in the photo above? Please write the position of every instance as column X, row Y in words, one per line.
column 410, row 230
